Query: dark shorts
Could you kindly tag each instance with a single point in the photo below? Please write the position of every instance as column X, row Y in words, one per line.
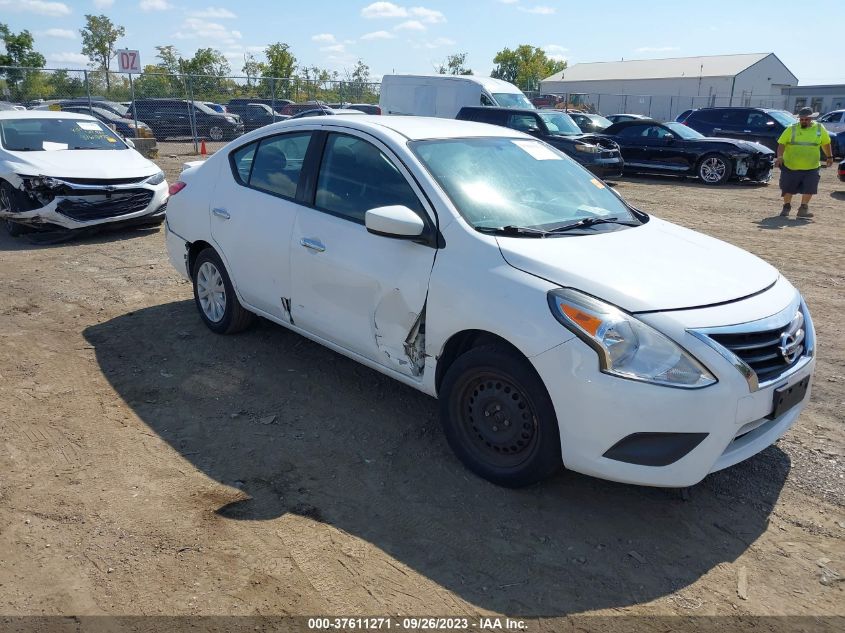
column 799, row 180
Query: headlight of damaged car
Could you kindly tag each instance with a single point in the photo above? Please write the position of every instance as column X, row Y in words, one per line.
column 589, row 149
column 155, row 179
column 626, row 346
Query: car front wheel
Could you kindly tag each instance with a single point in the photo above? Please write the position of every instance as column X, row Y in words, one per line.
column 215, row 296
column 7, row 194
column 714, row 169
column 216, row 133
column 498, row 417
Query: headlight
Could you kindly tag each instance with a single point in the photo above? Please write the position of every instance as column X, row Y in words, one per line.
column 155, row 179
column 589, row 149
column 231, row 119
column 626, row 346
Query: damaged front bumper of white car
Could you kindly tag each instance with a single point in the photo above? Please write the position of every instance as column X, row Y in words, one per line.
column 73, row 203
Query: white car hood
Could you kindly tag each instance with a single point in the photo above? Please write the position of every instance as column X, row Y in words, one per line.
column 110, row 164
column 656, row 266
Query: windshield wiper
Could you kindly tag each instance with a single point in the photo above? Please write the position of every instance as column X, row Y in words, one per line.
column 585, row 222
column 511, row 229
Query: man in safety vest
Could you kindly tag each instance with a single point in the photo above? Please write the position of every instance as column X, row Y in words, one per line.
column 798, row 159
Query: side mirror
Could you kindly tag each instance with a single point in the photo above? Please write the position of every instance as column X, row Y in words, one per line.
column 533, row 131
column 129, row 142
column 394, row 221
column 669, row 138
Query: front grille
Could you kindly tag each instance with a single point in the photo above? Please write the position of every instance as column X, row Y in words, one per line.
column 103, row 181
column 96, row 206
column 769, row 353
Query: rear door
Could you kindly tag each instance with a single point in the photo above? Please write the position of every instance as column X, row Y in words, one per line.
column 729, row 123
column 363, row 292
column 254, row 208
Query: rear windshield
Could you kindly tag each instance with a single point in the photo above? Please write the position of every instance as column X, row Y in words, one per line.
column 50, row 135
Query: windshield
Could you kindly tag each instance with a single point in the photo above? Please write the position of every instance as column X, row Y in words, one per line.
column 49, row 135
column 500, row 182
column 204, row 108
column 512, row 100
column 783, row 117
column 560, row 124
column 599, row 121
column 682, row 131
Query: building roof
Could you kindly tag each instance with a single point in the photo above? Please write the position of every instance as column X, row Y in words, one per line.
column 671, row 68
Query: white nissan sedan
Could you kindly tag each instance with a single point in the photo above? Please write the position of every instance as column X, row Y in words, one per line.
column 555, row 323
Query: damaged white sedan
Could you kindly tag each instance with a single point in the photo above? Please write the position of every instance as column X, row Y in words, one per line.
column 60, row 170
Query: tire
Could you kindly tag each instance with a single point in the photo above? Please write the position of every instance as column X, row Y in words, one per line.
column 483, row 392
column 7, row 194
column 714, row 169
column 215, row 297
column 216, row 133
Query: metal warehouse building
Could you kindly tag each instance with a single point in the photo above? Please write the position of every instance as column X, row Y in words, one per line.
column 663, row 88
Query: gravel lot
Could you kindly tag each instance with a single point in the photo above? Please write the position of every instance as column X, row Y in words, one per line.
column 151, row 467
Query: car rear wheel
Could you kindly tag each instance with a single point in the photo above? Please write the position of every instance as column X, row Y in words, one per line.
column 216, row 133
column 498, row 417
column 215, row 296
column 714, row 169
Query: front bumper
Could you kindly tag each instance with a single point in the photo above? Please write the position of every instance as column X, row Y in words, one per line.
column 75, row 206
column 596, row 412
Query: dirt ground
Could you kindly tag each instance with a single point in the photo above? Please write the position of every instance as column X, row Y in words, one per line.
column 151, row 467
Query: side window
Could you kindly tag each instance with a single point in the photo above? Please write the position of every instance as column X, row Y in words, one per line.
column 633, row 131
column 486, row 101
column 758, row 120
column 278, row 163
column 355, row 176
column 241, row 162
column 522, row 122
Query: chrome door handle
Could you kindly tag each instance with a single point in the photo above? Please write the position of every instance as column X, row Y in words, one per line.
column 717, row 129
column 314, row 245
column 221, row 213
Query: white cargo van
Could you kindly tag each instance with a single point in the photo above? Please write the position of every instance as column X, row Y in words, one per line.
column 444, row 95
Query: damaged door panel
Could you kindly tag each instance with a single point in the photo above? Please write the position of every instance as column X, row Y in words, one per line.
column 400, row 333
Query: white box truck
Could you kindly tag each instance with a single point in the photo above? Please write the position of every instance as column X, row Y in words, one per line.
column 444, row 95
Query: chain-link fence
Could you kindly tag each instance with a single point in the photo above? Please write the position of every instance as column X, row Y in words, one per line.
column 664, row 107
column 180, row 111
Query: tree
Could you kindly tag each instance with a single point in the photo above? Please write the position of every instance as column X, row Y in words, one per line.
column 98, row 39
column 525, row 66
column 65, row 86
column 454, row 65
column 252, row 68
column 359, row 81
column 169, row 57
column 280, row 64
column 19, row 52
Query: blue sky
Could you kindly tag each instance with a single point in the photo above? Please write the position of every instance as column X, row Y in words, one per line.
column 416, row 36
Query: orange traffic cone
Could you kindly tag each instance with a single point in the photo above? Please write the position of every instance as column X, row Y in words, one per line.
column 203, row 151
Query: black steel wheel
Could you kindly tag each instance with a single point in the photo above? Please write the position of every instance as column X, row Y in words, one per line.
column 498, row 417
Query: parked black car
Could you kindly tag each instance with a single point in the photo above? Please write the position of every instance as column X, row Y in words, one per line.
column 672, row 148
column 98, row 102
column 323, row 111
column 175, row 117
column 255, row 115
column 589, row 123
column 366, row 108
column 761, row 125
column 842, row 171
column 616, row 118
column 596, row 153
column 124, row 127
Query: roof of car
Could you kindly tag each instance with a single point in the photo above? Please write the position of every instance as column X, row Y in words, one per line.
column 411, row 127
column 611, row 129
column 42, row 114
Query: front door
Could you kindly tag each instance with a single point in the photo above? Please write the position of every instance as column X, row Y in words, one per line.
column 363, row 292
column 252, row 217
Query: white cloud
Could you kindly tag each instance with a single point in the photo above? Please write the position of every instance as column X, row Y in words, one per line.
column 508, row 1
column 378, row 35
column 154, row 5
column 212, row 33
column 429, row 16
column 440, row 42
column 384, row 10
column 390, row 10
column 52, row 9
column 410, row 25
column 656, row 49
column 69, row 58
column 539, row 10
column 64, row 34
column 555, row 48
column 214, row 13
column 326, row 38
column 558, row 57
column 103, row 4
column 335, row 48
